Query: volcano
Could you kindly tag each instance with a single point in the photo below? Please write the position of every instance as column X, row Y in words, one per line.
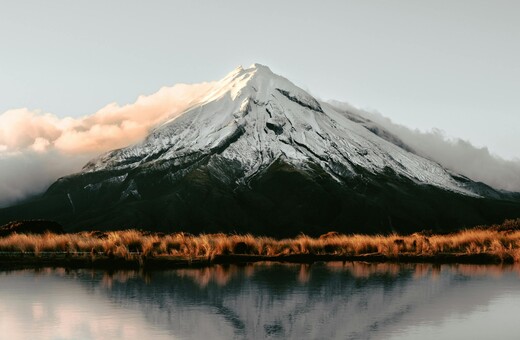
column 258, row 154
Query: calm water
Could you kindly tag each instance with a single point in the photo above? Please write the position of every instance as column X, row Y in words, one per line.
column 321, row 301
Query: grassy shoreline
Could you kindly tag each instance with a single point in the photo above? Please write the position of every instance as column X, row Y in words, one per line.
column 134, row 249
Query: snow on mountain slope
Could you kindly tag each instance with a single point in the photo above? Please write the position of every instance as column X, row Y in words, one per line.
column 254, row 117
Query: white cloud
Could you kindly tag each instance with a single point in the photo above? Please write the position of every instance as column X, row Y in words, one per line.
column 111, row 127
column 455, row 154
column 36, row 148
column 30, row 172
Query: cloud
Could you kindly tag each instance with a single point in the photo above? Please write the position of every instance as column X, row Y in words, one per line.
column 111, row 127
column 36, row 148
column 455, row 154
column 31, row 172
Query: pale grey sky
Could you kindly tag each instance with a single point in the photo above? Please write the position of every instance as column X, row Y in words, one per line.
column 448, row 64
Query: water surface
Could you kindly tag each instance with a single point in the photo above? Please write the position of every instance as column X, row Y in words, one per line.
column 265, row 300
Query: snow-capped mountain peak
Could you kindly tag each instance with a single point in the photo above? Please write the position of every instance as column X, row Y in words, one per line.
column 253, row 117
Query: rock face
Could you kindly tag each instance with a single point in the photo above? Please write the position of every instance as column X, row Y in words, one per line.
column 259, row 154
column 31, row 227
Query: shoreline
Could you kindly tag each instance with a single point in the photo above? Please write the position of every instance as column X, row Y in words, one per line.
column 134, row 249
column 165, row 262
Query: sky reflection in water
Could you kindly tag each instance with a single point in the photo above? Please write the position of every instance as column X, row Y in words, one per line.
column 264, row 300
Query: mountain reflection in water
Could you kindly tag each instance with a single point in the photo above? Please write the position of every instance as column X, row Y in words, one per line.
column 264, row 300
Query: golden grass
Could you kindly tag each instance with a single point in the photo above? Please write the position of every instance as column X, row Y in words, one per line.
column 501, row 241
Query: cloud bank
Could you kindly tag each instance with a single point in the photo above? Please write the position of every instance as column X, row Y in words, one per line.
column 36, row 148
column 455, row 154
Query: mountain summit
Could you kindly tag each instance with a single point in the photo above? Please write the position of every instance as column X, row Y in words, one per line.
column 256, row 153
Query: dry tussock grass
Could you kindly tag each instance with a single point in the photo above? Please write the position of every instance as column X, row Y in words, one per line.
column 503, row 240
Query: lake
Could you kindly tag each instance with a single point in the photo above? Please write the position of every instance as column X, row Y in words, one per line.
column 264, row 300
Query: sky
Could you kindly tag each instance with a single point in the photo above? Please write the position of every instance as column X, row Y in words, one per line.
column 451, row 67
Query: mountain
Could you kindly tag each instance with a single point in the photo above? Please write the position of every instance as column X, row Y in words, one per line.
column 258, row 154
